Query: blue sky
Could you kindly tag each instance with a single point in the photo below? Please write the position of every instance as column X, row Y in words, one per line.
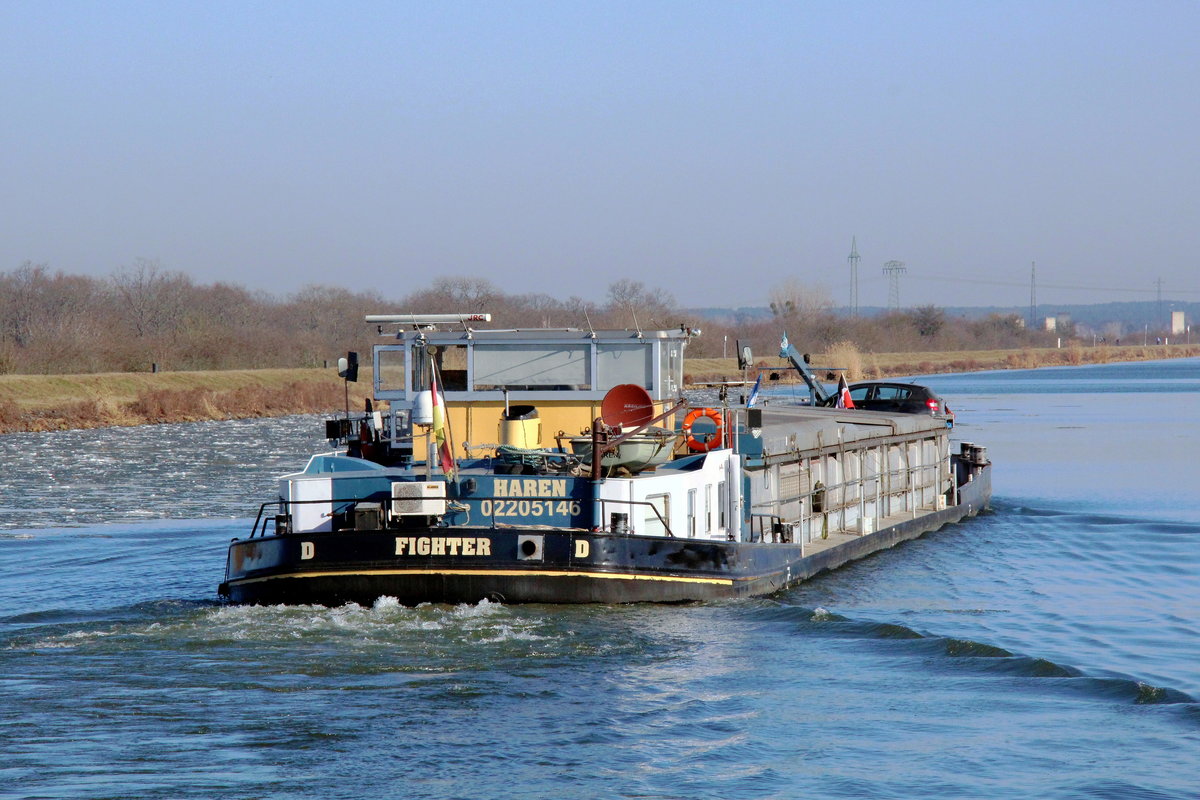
column 712, row 149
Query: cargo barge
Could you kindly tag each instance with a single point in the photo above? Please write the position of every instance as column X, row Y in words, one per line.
column 564, row 466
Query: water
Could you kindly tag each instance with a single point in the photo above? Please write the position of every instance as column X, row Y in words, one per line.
column 1050, row 649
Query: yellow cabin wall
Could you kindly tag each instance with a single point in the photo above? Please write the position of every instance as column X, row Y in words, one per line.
column 478, row 423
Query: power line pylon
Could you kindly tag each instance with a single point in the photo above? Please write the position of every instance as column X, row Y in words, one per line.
column 1033, row 295
column 894, row 269
column 853, row 259
column 1159, row 309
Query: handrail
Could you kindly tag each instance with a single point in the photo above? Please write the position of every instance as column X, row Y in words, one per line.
column 666, row 527
column 830, row 487
column 261, row 509
column 909, row 474
column 282, row 503
column 773, row 517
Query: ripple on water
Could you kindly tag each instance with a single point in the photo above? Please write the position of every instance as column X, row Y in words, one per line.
column 1044, row 650
column 181, row 471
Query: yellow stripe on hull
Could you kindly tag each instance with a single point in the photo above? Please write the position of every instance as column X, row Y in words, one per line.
column 504, row 573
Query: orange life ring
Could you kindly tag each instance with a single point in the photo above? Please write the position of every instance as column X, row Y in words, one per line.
column 694, row 444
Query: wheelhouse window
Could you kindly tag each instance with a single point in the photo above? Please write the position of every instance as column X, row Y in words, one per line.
column 532, row 367
column 623, row 363
column 451, row 363
column 391, row 370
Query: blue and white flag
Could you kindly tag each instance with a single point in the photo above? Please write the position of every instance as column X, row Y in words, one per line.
column 754, row 392
column 783, row 346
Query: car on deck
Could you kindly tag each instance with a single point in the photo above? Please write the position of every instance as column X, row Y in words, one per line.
column 905, row 398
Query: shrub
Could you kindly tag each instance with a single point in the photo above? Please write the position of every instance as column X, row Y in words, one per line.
column 846, row 354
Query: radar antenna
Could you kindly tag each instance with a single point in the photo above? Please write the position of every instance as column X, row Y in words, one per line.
column 427, row 321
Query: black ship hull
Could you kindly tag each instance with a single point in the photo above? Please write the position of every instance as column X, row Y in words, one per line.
column 543, row 565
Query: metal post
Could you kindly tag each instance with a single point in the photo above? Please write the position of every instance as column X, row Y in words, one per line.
column 597, row 457
column 430, row 455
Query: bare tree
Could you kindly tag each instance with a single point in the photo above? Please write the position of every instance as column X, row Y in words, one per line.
column 151, row 298
column 19, row 300
column 638, row 304
column 51, row 322
column 792, row 298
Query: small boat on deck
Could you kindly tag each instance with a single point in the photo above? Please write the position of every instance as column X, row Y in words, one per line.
column 683, row 503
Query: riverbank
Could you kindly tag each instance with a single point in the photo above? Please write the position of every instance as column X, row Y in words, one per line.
column 873, row 366
column 61, row 402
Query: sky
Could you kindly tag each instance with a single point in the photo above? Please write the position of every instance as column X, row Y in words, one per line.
column 714, row 151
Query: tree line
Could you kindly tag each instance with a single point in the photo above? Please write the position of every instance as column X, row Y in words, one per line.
column 55, row 323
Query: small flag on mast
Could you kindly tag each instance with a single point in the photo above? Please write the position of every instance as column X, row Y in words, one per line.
column 441, row 431
column 754, row 392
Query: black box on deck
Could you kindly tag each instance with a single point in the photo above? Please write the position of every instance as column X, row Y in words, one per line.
column 368, row 516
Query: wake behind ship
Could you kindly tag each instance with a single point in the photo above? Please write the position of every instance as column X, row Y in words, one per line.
column 564, row 466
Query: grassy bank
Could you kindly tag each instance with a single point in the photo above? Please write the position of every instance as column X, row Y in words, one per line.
column 60, row 402
column 869, row 366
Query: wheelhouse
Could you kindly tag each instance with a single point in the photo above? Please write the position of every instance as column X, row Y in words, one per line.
column 485, row 375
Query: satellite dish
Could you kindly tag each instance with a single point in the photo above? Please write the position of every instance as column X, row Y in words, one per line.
column 627, row 405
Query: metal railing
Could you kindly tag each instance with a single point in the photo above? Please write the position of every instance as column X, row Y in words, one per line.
column 761, row 523
column 490, row 507
column 284, row 508
column 911, row 483
column 605, row 501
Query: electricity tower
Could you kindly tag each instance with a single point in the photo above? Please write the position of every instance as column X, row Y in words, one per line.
column 1158, row 286
column 853, row 259
column 894, row 269
column 1033, row 326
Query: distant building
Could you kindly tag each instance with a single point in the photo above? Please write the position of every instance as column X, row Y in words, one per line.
column 1059, row 322
column 1178, row 325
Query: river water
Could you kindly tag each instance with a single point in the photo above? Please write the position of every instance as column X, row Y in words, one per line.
column 1050, row 649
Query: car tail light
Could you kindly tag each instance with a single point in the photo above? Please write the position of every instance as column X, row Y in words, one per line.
column 933, row 405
